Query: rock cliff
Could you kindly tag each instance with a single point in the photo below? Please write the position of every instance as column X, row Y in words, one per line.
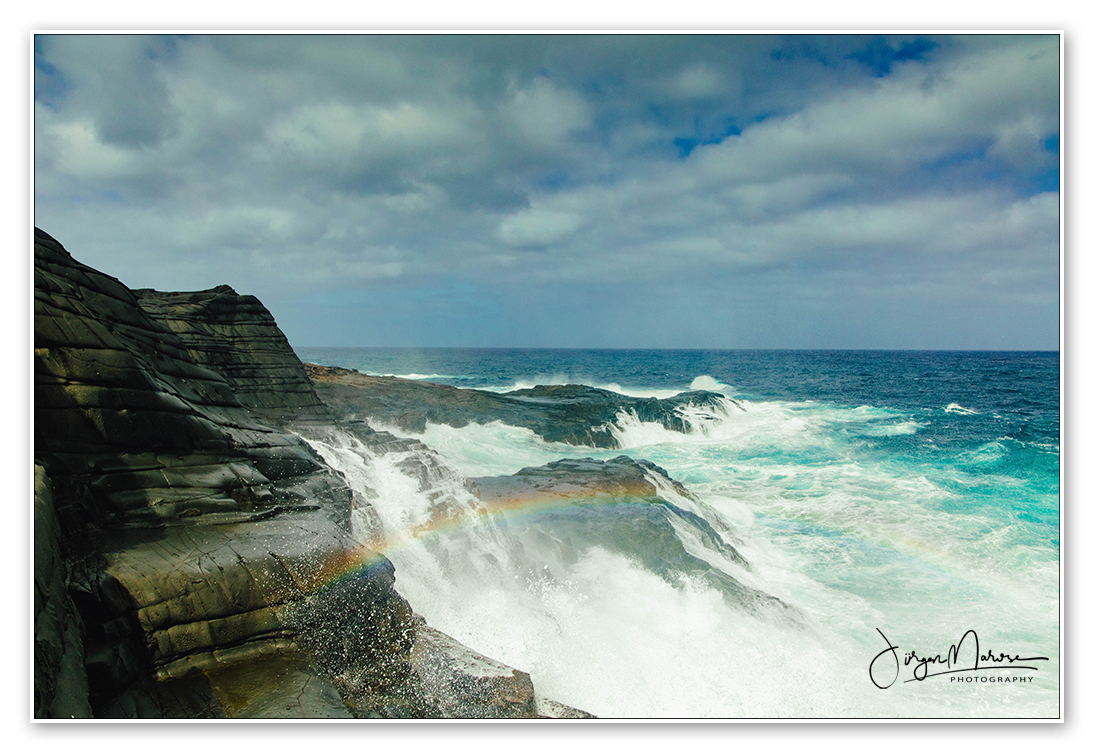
column 193, row 556
column 236, row 336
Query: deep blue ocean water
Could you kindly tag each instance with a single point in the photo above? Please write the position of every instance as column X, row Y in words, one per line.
column 902, row 495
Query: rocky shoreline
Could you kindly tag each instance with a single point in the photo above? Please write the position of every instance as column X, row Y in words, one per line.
column 570, row 413
column 193, row 555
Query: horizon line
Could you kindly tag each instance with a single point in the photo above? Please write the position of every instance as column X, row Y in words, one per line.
column 681, row 349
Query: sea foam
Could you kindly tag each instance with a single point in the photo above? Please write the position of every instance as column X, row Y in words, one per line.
column 860, row 516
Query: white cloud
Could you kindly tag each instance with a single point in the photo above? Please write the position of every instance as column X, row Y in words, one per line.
column 339, row 130
column 1020, row 143
column 919, row 114
column 547, row 115
column 764, row 200
column 537, row 228
column 73, row 149
column 248, row 226
column 701, row 81
column 328, row 268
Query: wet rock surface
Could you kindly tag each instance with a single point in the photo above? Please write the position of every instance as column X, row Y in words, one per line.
column 634, row 507
column 187, row 520
column 60, row 678
column 193, row 555
column 570, row 413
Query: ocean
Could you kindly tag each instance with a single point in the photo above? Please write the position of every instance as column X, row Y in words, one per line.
column 905, row 505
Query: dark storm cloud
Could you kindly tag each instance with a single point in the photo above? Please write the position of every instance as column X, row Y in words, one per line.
column 856, row 168
column 115, row 82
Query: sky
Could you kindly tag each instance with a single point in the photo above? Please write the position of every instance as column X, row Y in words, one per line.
column 574, row 190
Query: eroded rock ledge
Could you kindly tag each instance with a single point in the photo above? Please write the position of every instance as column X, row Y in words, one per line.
column 570, row 413
column 634, row 506
column 192, row 556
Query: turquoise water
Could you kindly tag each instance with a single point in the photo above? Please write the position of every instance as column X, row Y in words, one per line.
column 907, row 496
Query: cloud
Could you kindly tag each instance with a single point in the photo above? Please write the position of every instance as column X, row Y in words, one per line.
column 73, row 148
column 535, row 228
column 290, row 165
column 919, row 114
column 547, row 115
column 118, row 80
column 242, row 226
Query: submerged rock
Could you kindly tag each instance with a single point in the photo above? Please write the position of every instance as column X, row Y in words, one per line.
column 631, row 507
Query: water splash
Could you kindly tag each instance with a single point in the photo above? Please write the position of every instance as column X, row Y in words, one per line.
column 854, row 541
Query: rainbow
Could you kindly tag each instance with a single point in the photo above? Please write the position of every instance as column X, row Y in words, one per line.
column 370, row 559
column 507, row 504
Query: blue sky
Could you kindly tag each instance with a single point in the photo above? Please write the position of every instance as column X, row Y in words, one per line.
column 721, row 191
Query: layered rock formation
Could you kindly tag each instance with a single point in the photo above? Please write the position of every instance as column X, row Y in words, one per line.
column 570, row 413
column 193, row 558
column 236, row 336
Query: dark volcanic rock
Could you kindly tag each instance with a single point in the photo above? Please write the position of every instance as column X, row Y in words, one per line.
column 186, row 525
column 585, row 477
column 193, row 558
column 569, row 413
column 60, row 679
column 124, row 412
column 236, row 336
